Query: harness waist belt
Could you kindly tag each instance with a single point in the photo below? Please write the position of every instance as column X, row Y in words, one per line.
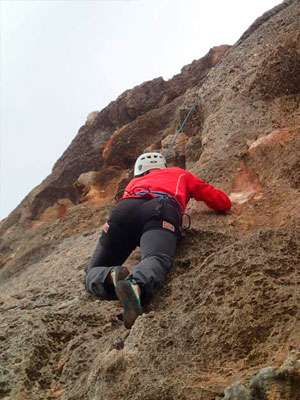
column 161, row 194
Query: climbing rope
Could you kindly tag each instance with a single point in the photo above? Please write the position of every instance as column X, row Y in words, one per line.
column 211, row 72
column 182, row 125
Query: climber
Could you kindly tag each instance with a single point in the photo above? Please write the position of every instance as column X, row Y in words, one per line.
column 148, row 215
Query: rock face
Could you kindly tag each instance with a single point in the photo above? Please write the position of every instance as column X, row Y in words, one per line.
column 226, row 325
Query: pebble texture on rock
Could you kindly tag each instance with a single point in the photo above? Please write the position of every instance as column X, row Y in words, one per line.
column 226, row 325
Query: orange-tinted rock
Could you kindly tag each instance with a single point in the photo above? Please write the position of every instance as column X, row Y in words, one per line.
column 281, row 136
column 245, row 185
column 102, row 184
column 229, row 309
column 58, row 210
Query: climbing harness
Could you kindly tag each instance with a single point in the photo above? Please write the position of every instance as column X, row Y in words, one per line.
column 119, row 195
column 144, row 192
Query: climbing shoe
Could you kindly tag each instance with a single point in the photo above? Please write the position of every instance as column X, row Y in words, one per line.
column 119, row 274
column 130, row 300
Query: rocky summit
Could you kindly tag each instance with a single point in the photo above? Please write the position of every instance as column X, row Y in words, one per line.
column 226, row 325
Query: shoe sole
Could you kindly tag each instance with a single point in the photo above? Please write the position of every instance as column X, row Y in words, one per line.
column 132, row 308
column 121, row 273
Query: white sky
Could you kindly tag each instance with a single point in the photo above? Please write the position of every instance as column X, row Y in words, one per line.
column 62, row 59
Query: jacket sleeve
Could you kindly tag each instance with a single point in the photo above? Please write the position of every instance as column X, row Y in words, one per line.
column 211, row 196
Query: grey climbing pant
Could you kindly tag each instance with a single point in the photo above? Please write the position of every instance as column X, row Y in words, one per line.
column 152, row 224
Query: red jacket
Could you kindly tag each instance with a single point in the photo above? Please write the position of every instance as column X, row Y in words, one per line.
column 180, row 184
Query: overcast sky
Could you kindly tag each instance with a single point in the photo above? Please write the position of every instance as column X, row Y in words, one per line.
column 62, row 59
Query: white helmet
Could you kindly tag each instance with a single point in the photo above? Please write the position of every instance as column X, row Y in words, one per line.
column 148, row 161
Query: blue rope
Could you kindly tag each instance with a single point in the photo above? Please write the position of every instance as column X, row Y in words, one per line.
column 182, row 125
